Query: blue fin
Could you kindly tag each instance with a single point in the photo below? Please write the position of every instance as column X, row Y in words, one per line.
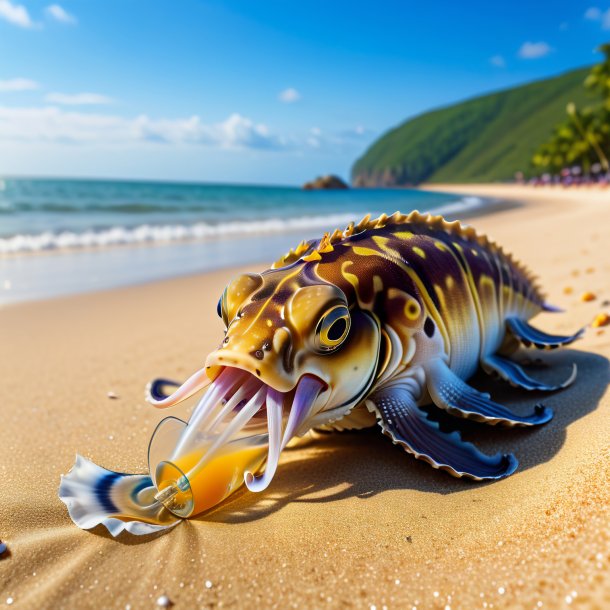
column 528, row 335
column 515, row 375
column 96, row 496
column 407, row 425
column 450, row 393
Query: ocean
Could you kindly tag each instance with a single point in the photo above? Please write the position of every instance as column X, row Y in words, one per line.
column 61, row 236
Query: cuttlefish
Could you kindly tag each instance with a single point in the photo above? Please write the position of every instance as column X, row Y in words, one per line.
column 360, row 328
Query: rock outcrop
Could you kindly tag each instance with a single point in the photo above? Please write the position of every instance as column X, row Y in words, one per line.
column 325, row 182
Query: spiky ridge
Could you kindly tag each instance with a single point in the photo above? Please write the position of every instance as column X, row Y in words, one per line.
column 312, row 250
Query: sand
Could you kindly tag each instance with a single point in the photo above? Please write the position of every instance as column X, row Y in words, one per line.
column 350, row 520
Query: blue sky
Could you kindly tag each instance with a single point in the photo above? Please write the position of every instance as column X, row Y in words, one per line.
column 256, row 91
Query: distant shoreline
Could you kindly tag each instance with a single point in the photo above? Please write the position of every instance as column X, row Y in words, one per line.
column 123, row 255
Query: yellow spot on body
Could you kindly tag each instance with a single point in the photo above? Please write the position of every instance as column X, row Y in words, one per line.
column 441, row 296
column 441, row 246
column 449, row 282
column 365, row 251
column 269, row 323
column 404, row 234
column 419, row 252
column 380, row 241
column 314, row 256
column 280, row 336
column 488, row 291
column 474, row 252
column 350, row 277
column 383, row 243
column 377, row 283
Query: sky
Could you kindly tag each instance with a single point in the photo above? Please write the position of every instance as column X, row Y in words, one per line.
column 266, row 92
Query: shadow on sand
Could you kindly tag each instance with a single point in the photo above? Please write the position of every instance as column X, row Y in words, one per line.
column 364, row 463
column 339, row 465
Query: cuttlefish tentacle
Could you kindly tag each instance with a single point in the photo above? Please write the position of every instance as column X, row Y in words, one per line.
column 529, row 335
column 407, row 425
column 157, row 398
column 516, row 376
column 274, row 419
column 455, row 396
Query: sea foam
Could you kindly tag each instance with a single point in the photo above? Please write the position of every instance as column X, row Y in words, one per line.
column 198, row 231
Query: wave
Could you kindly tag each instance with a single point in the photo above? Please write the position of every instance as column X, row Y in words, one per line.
column 19, row 207
column 201, row 231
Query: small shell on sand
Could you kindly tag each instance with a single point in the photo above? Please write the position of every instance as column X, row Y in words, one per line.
column 164, row 601
column 601, row 319
column 112, row 395
column 587, row 296
column 568, row 290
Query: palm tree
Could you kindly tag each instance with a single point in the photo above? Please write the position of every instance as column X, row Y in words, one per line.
column 584, row 138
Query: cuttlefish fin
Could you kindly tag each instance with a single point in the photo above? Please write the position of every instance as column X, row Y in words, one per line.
column 530, row 336
column 120, row 502
column 515, row 375
column 407, row 425
column 452, row 394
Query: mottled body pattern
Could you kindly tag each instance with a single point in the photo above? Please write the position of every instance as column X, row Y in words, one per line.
column 444, row 300
column 360, row 328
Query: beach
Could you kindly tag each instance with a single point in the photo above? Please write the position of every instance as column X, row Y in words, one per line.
column 350, row 521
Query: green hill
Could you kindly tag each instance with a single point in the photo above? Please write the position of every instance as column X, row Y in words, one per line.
column 484, row 139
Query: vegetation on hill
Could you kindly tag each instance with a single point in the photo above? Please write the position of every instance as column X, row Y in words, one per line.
column 485, row 139
column 582, row 139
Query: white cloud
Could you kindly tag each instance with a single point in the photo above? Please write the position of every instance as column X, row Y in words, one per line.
column 498, row 61
column 54, row 124
column 593, row 13
column 78, row 99
column 60, row 14
column 18, row 84
column 289, row 96
column 16, row 14
column 344, row 139
column 534, row 50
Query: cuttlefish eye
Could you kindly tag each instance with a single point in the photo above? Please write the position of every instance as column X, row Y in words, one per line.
column 332, row 329
column 236, row 293
column 221, row 308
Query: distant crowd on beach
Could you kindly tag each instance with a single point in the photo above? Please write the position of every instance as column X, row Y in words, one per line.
column 570, row 176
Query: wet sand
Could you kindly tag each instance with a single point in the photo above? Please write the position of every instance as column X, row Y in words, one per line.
column 350, row 520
